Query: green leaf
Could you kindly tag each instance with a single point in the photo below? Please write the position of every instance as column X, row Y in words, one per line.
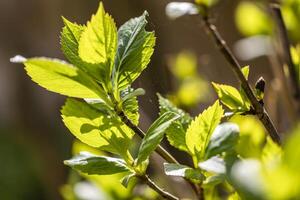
column 98, row 42
column 127, row 179
column 92, row 164
column 96, row 128
column 60, row 77
column 245, row 71
column 214, row 165
column 176, row 136
column 166, row 106
column 130, row 104
column 213, row 180
column 154, row 135
column 177, row 130
column 201, row 129
column 223, row 139
column 70, row 37
column 230, row 97
column 172, row 169
column 135, row 47
column 130, row 93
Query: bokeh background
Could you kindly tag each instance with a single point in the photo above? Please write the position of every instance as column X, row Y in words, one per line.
column 33, row 139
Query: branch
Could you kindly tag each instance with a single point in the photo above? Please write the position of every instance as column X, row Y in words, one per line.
column 259, row 109
column 156, row 188
column 160, row 150
column 283, row 36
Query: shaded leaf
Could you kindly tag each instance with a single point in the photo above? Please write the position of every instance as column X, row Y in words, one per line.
column 213, row 180
column 177, row 130
column 214, row 165
column 135, row 47
column 154, row 135
column 172, row 169
column 223, row 139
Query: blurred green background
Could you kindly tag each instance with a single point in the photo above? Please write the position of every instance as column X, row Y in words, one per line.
column 34, row 141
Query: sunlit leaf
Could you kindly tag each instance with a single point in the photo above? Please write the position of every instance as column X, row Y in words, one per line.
column 96, row 128
column 130, row 104
column 98, row 42
column 69, row 40
column 230, row 97
column 60, row 77
column 200, row 130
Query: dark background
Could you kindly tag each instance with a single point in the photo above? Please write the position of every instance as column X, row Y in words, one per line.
column 33, row 140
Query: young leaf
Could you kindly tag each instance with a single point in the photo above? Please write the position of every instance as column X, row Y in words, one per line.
column 126, row 179
column 92, row 164
column 154, row 135
column 70, row 37
column 223, row 139
column 60, row 77
column 95, row 127
column 176, row 136
column 130, row 93
column 245, row 71
column 130, row 104
column 230, row 97
column 176, row 132
column 98, row 42
column 172, row 169
column 200, row 130
column 213, row 180
column 135, row 47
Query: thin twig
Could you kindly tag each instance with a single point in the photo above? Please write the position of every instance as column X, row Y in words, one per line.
column 285, row 43
column 156, row 188
column 159, row 149
column 236, row 67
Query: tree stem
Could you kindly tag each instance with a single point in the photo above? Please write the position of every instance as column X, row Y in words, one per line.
column 156, row 188
column 259, row 109
column 286, row 52
column 285, row 44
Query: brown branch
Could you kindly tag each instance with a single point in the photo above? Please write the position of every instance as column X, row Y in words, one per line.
column 259, row 109
column 160, row 150
column 285, row 43
column 156, row 188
